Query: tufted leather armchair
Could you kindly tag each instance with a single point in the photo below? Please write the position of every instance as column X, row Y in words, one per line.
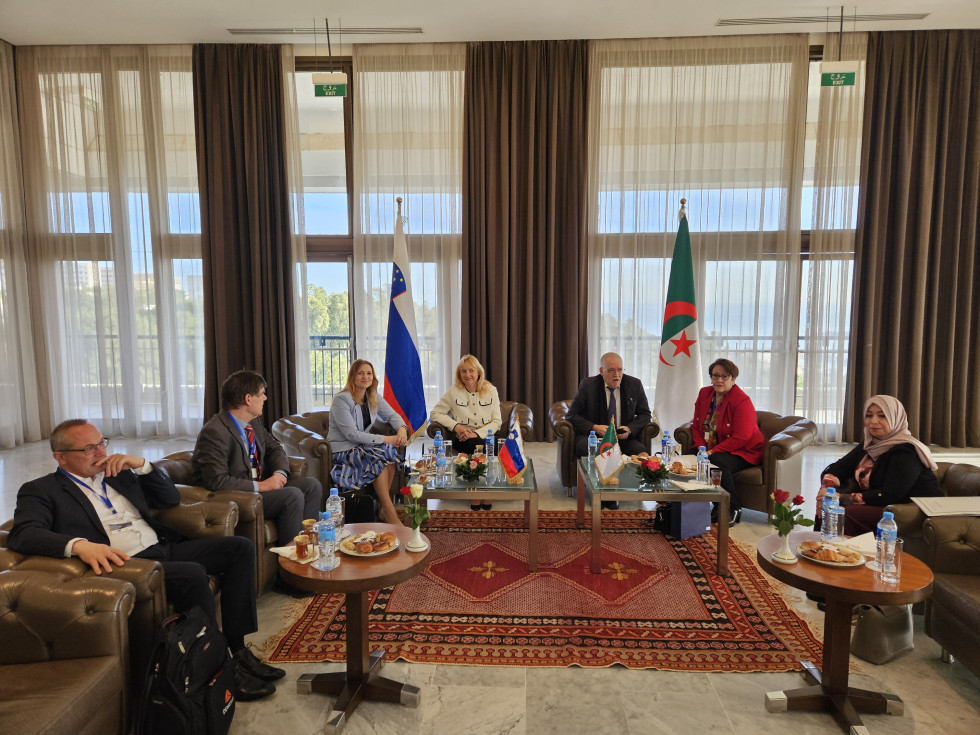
column 786, row 436
column 953, row 610
column 565, row 433
column 251, row 524
column 510, row 411
column 64, row 662
column 955, row 480
column 193, row 518
column 305, row 435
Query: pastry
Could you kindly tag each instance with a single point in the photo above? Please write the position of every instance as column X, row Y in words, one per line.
column 363, row 547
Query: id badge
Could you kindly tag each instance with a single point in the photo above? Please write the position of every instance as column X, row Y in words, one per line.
column 255, row 474
column 120, row 526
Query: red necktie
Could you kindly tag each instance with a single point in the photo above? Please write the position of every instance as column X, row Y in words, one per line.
column 253, row 450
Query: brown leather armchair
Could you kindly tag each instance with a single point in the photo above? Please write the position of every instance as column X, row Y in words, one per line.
column 955, row 480
column 785, row 437
column 953, row 610
column 64, row 662
column 252, row 523
column 305, row 435
column 510, row 411
column 193, row 518
column 565, row 434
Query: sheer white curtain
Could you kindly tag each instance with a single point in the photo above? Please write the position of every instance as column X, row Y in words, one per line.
column 408, row 143
column 114, row 221
column 718, row 121
column 834, row 133
column 294, row 176
column 19, row 417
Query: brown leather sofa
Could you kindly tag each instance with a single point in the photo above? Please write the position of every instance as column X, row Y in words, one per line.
column 192, row 518
column 565, row 434
column 305, row 435
column 510, row 411
column 785, row 437
column 252, row 523
column 955, row 480
column 64, row 657
column 953, row 610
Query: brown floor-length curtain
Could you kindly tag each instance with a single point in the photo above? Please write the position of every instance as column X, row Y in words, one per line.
column 245, row 220
column 524, row 218
column 915, row 330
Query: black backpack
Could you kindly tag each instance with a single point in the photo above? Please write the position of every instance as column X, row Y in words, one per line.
column 190, row 682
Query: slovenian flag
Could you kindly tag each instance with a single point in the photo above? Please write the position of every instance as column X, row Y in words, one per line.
column 403, row 370
column 679, row 375
column 512, row 452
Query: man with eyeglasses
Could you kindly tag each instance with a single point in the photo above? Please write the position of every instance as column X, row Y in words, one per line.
column 604, row 397
column 96, row 507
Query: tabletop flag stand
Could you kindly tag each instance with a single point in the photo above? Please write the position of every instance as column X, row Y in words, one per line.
column 679, row 375
column 512, row 455
column 403, row 383
column 609, row 458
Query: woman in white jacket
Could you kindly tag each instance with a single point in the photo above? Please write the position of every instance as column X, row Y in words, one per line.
column 470, row 408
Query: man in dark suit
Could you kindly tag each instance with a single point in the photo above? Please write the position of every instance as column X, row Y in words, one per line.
column 604, row 397
column 97, row 507
column 234, row 451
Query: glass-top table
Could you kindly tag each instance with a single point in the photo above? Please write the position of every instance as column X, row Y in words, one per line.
column 630, row 487
column 527, row 490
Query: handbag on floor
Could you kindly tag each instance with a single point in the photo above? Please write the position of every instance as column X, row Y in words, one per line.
column 358, row 507
column 882, row 633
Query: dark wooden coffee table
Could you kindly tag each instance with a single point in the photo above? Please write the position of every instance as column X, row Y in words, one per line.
column 842, row 588
column 355, row 577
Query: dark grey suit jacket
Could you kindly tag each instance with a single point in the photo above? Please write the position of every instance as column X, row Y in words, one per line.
column 590, row 407
column 52, row 510
column 221, row 460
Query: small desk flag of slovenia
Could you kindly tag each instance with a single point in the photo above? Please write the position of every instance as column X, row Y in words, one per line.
column 403, row 370
column 512, row 452
column 679, row 375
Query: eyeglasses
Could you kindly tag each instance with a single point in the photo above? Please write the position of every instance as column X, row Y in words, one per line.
column 718, row 376
column 89, row 450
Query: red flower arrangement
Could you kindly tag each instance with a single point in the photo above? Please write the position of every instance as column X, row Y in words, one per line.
column 470, row 469
column 787, row 514
column 653, row 470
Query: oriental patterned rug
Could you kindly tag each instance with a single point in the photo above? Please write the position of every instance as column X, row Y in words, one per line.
column 657, row 604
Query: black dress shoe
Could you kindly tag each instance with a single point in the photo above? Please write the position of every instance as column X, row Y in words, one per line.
column 247, row 661
column 610, row 504
column 475, row 506
column 734, row 516
column 249, row 688
column 487, row 506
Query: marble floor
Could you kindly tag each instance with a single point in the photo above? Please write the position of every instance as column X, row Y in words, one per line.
column 462, row 700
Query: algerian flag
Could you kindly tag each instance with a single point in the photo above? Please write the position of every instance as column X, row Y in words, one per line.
column 679, row 369
column 610, row 458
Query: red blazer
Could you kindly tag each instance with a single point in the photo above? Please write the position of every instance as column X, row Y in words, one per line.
column 738, row 432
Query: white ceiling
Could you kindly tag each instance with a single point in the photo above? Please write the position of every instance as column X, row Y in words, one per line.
column 47, row 22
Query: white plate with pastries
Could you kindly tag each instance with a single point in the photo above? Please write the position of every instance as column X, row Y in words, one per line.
column 829, row 554
column 381, row 543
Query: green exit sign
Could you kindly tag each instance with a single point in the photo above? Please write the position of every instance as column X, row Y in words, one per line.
column 837, row 79
column 330, row 90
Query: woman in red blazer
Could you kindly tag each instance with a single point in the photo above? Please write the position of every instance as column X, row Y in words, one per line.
column 725, row 423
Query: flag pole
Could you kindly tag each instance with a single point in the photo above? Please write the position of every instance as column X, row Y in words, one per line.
column 398, row 200
column 683, row 213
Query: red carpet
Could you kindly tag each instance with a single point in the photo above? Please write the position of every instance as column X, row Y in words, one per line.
column 658, row 603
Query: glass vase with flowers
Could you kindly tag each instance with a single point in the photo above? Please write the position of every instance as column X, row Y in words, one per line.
column 787, row 514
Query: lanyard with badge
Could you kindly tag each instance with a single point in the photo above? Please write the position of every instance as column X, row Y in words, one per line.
column 248, row 435
column 114, row 526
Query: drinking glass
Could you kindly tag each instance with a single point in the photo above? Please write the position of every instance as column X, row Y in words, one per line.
column 893, row 573
column 716, row 477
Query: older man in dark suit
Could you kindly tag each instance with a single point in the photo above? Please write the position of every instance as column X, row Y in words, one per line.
column 234, row 451
column 97, row 507
column 608, row 396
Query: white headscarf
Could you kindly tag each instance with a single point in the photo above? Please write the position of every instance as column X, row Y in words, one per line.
column 898, row 425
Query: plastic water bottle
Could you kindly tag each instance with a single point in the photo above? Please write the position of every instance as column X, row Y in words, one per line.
column 437, row 442
column 593, row 446
column 335, row 504
column 665, row 446
column 440, row 461
column 885, row 550
column 828, row 518
column 327, row 542
column 491, row 444
column 704, row 465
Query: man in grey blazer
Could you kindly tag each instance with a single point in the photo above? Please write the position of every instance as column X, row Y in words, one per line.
column 234, row 451
column 610, row 394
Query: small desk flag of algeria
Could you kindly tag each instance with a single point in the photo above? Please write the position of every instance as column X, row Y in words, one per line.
column 609, row 458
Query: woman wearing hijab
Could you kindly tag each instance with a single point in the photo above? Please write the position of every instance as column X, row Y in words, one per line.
column 890, row 467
